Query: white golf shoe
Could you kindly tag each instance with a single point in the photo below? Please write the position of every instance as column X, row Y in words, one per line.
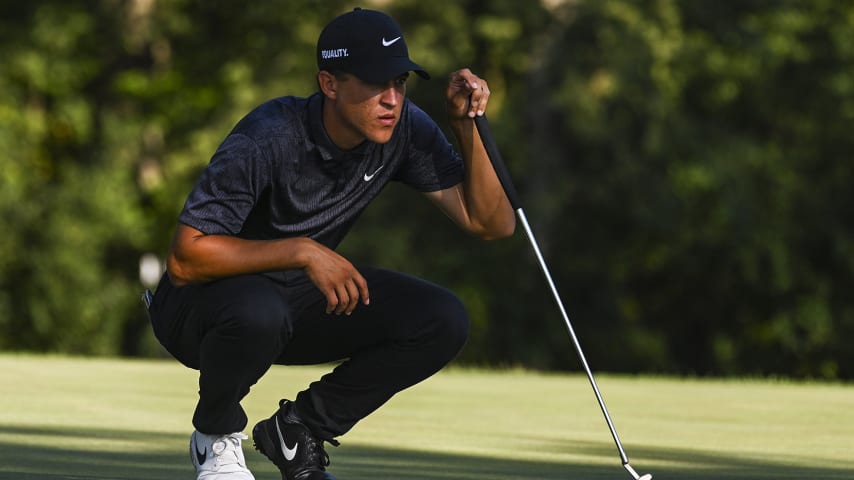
column 219, row 457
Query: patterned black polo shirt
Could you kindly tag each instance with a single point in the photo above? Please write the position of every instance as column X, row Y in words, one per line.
column 278, row 175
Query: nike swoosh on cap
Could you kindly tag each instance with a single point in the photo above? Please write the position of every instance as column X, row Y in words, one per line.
column 290, row 453
column 388, row 43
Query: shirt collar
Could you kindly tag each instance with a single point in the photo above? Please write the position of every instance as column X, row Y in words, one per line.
column 329, row 152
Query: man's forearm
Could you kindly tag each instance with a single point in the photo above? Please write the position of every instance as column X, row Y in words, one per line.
column 485, row 201
column 197, row 258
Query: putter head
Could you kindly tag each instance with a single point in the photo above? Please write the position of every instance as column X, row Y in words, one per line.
column 634, row 474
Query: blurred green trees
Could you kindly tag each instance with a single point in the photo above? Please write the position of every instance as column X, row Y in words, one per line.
column 685, row 165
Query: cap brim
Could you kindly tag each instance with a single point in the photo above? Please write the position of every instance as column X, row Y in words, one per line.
column 386, row 70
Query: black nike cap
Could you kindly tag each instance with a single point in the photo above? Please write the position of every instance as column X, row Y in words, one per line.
column 367, row 43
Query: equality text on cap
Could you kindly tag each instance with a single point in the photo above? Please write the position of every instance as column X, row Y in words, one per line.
column 367, row 43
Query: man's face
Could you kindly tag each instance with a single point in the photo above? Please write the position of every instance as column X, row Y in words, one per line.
column 361, row 110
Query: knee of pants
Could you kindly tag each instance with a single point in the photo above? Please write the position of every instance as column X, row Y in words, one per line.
column 448, row 324
column 458, row 324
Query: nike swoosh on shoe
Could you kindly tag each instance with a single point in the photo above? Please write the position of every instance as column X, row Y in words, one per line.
column 290, row 453
column 201, row 456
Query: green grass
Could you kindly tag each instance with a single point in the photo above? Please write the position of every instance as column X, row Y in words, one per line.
column 71, row 418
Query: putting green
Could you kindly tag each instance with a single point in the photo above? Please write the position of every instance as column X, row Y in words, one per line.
column 75, row 418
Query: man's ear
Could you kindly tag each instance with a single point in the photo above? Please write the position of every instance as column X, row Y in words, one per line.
column 328, row 84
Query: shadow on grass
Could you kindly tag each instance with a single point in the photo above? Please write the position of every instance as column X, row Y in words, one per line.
column 34, row 459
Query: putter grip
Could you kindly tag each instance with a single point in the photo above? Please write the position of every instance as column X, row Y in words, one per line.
column 497, row 163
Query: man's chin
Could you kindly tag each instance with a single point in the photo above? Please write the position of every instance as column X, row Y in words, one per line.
column 381, row 136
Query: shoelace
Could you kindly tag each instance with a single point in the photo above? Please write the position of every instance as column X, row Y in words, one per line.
column 227, row 449
column 317, row 452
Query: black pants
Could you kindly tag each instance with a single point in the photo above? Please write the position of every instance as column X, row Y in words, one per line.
column 232, row 330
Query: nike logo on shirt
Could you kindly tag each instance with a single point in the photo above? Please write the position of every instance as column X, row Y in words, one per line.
column 201, row 455
column 368, row 178
column 388, row 43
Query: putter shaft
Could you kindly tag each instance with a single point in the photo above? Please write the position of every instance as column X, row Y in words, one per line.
column 510, row 190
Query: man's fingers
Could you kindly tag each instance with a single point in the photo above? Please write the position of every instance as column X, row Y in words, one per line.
column 467, row 78
column 352, row 297
column 362, row 286
column 479, row 98
column 357, row 289
column 473, row 89
column 331, row 301
column 344, row 297
column 338, row 280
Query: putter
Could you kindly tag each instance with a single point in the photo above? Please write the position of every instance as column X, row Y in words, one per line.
column 504, row 177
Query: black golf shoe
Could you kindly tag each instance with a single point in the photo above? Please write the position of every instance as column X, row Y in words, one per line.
column 289, row 444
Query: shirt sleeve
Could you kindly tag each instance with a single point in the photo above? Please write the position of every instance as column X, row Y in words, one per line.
column 433, row 163
column 228, row 188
